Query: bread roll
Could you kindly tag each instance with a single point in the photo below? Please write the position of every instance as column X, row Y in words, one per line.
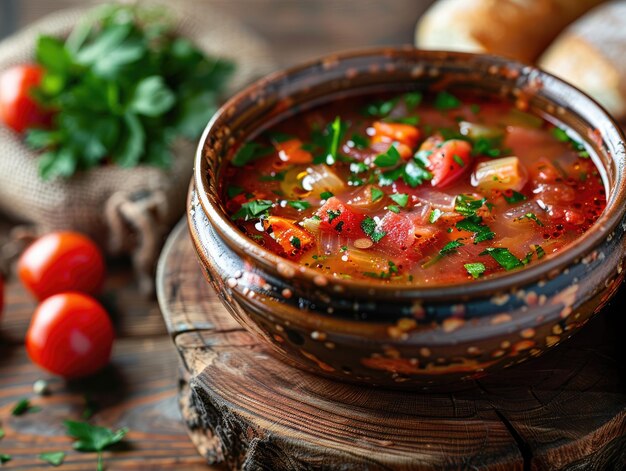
column 520, row 29
column 591, row 54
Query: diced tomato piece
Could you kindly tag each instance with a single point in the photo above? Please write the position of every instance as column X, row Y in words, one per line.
column 340, row 218
column 293, row 239
column 449, row 161
column 406, row 237
column 431, row 143
column 291, row 151
column 404, row 133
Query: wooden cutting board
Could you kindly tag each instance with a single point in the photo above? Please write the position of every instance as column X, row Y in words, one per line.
column 244, row 408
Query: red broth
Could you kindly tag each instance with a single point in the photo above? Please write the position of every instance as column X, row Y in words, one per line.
column 424, row 189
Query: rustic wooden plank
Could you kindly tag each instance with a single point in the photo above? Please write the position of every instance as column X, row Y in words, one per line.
column 246, row 408
column 138, row 390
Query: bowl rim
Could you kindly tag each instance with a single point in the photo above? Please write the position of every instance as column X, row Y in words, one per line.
column 236, row 240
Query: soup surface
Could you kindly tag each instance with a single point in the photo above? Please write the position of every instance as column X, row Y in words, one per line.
column 415, row 188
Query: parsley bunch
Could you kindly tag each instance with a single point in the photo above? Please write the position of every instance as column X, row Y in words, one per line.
column 122, row 86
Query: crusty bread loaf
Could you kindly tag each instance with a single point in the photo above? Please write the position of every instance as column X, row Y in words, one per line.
column 520, row 29
column 591, row 54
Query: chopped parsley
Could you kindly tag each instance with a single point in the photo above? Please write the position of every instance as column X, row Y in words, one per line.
column 401, row 198
column 475, row 269
column 369, row 226
column 389, row 158
column 514, row 197
column 445, row 101
column 326, row 195
column 504, row 257
column 23, row 406
column 299, row 205
column 458, row 160
column 561, row 135
column 380, row 109
column 332, row 215
column 233, row 190
column 435, row 214
column 54, row 458
column 250, row 152
column 344, row 248
column 393, row 208
column 295, row 242
column 489, row 147
column 451, row 247
column 391, row 270
column 475, row 224
column 253, row 209
column 92, row 438
column 467, row 205
column 376, row 194
column 4, row 458
column 532, row 217
column 360, row 142
column 326, row 142
column 358, row 167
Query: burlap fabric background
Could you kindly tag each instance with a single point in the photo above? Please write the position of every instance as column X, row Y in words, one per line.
column 127, row 211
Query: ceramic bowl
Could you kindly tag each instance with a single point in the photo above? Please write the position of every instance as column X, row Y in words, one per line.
column 399, row 335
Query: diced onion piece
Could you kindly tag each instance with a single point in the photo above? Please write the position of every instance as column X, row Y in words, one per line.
column 311, row 224
column 477, row 131
column 320, row 178
column 506, row 173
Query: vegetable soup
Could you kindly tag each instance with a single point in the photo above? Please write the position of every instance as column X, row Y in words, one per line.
column 427, row 189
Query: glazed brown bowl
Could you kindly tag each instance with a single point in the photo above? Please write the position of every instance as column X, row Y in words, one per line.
column 400, row 335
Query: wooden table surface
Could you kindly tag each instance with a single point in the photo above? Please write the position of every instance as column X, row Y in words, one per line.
column 138, row 389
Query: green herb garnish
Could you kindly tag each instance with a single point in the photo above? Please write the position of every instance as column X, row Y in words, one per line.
column 468, row 205
column 446, row 101
column 326, row 195
column 475, row 224
column 332, row 215
column 55, row 458
column 23, row 406
column 489, row 147
column 561, row 135
column 233, row 190
column 504, row 257
column 299, row 205
column 91, row 438
column 393, row 208
column 369, row 226
column 401, row 198
column 475, row 269
column 360, row 142
column 376, row 194
column 250, row 152
column 451, row 247
column 514, row 197
column 295, row 242
column 435, row 214
column 532, row 217
column 4, row 458
column 389, row 158
column 253, row 209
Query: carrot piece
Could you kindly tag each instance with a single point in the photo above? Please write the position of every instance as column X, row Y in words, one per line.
column 291, row 151
column 403, row 133
column 293, row 239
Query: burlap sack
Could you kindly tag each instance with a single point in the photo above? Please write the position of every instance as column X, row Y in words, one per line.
column 127, row 211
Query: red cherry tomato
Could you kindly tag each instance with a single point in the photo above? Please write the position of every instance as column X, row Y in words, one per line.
column 448, row 162
column 61, row 261
column 71, row 335
column 18, row 109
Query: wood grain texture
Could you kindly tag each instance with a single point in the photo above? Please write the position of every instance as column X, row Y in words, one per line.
column 244, row 408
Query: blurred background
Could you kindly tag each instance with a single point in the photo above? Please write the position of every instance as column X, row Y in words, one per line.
column 296, row 30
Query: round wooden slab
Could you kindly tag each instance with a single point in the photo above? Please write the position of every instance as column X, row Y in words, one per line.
column 244, row 408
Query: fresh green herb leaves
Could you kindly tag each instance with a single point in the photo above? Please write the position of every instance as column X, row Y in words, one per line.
column 295, row 242
column 393, row 208
column 4, row 458
column 360, row 142
column 249, row 152
column 233, row 190
column 468, row 205
column 489, row 147
column 514, row 197
column 475, row 269
column 383, row 275
column 123, row 90
column 326, row 142
column 326, row 194
column 253, row 209
column 475, row 224
column 451, row 247
column 532, row 217
column 376, row 194
column 332, row 215
column 380, row 109
column 23, row 406
column 562, row 135
column 370, row 227
column 55, row 458
column 504, row 257
column 91, row 438
column 401, row 199
column 435, row 214
column 445, row 101
column 299, row 205
column 389, row 158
